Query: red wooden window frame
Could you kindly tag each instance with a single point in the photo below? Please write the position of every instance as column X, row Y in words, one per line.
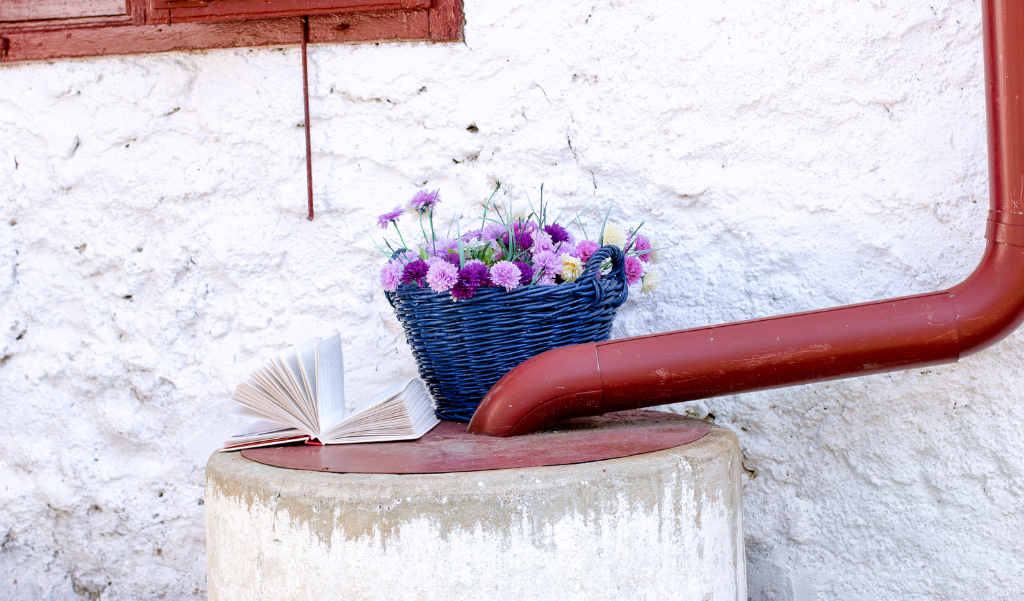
column 75, row 28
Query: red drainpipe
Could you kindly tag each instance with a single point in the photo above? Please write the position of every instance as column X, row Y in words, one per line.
column 856, row 340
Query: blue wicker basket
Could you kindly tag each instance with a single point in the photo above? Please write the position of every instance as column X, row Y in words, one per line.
column 464, row 347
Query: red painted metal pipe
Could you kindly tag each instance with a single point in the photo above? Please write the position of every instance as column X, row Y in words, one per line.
column 855, row 340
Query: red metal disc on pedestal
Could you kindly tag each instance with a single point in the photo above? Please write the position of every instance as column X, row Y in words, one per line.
column 449, row 448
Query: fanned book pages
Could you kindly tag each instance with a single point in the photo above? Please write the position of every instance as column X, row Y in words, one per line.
column 299, row 395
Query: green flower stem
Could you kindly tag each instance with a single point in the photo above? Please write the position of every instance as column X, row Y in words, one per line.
column 425, row 239
column 406, row 246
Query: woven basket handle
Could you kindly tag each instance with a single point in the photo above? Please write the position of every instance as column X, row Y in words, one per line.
column 592, row 273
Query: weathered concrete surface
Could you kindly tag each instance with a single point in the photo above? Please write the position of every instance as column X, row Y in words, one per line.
column 665, row 525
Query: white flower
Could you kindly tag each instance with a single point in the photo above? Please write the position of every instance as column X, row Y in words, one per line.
column 650, row 282
column 655, row 254
column 495, row 181
column 572, row 268
column 614, row 235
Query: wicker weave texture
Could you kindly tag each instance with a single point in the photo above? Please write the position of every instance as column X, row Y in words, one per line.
column 462, row 348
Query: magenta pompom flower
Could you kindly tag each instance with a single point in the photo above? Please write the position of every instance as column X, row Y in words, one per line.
column 442, row 276
column 475, row 272
column 414, row 272
column 634, row 270
column 391, row 275
column 471, row 277
column 425, row 200
column 586, row 249
column 641, row 245
column 505, row 275
column 390, row 216
column 524, row 239
column 558, row 233
column 526, row 271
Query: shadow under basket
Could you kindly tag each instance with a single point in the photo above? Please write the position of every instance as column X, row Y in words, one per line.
column 463, row 347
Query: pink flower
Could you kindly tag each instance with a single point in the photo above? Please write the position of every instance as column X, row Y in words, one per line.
column 387, row 218
column 442, row 276
column 442, row 246
column 547, row 265
column 586, row 249
column 425, row 201
column 542, row 241
column 634, row 270
column 390, row 275
column 642, row 244
column 506, row 275
column 492, row 231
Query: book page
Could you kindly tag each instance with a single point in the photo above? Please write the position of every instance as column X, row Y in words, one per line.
column 289, row 360
column 403, row 412
column 305, row 352
column 330, row 381
column 252, row 395
column 379, row 398
column 274, row 383
column 263, row 433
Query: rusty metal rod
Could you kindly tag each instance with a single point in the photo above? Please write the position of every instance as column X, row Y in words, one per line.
column 305, row 106
column 870, row 338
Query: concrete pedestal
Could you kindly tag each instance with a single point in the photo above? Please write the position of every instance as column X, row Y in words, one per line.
column 663, row 525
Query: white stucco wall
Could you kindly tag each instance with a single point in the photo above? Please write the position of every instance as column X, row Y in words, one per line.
column 796, row 154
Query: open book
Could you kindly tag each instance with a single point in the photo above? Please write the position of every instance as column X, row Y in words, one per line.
column 299, row 395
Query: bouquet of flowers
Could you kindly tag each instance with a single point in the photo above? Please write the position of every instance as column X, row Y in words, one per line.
column 505, row 250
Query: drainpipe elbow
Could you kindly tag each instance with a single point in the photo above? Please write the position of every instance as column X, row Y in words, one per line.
column 989, row 304
column 561, row 383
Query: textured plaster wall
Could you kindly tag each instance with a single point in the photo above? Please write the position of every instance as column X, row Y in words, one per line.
column 795, row 153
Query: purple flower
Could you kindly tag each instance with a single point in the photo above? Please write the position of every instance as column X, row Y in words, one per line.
column 527, row 272
column 475, row 272
column 425, row 201
column 471, row 277
column 634, row 270
column 387, row 218
column 506, row 275
column 641, row 244
column 390, row 275
column 558, row 233
column 524, row 239
column 442, row 276
column 462, row 291
column 417, row 270
column 471, row 235
column 452, row 258
column 586, row 249
column 547, row 265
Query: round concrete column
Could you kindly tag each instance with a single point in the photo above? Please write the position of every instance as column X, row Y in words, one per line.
column 663, row 525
